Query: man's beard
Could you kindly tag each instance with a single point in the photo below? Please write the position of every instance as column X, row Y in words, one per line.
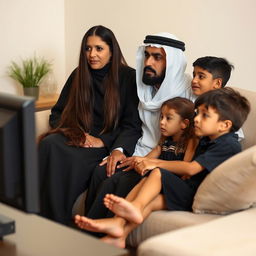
column 152, row 80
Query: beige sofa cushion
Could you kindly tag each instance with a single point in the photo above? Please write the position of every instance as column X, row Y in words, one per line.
column 160, row 222
column 229, row 235
column 230, row 187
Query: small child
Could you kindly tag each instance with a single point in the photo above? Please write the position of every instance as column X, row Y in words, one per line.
column 219, row 113
column 210, row 73
column 176, row 125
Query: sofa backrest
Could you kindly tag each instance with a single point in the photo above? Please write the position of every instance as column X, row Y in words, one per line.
column 249, row 127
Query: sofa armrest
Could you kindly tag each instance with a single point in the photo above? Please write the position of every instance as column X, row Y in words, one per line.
column 229, row 235
column 42, row 121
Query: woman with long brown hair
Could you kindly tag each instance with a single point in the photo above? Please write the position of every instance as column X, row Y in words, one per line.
column 96, row 116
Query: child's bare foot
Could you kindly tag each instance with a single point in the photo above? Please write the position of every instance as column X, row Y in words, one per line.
column 123, row 208
column 110, row 226
column 116, row 241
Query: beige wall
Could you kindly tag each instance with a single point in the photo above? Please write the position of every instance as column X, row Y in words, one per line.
column 27, row 28
column 223, row 28
column 54, row 29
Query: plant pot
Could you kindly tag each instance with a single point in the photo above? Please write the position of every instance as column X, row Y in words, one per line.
column 31, row 91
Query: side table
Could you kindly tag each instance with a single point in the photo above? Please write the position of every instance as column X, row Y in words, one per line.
column 46, row 102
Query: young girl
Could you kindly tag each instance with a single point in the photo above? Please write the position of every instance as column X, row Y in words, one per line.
column 176, row 128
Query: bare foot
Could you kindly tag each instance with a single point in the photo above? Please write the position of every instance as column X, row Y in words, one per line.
column 123, row 208
column 110, row 226
column 116, row 241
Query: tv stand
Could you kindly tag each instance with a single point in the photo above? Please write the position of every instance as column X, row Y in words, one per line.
column 7, row 226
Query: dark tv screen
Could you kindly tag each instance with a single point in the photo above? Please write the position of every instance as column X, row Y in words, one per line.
column 19, row 178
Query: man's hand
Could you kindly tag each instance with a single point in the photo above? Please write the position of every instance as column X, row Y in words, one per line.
column 112, row 160
column 93, row 142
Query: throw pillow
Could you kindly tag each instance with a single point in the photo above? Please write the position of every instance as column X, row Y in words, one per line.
column 229, row 187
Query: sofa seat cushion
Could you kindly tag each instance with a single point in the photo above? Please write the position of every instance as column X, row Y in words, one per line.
column 233, row 234
column 230, row 187
column 163, row 221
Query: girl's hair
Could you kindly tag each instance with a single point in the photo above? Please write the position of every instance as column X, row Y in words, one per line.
column 185, row 109
column 77, row 116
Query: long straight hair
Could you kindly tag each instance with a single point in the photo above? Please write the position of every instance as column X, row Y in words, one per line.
column 77, row 116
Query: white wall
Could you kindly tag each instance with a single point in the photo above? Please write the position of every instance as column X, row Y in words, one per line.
column 224, row 28
column 27, row 28
column 54, row 29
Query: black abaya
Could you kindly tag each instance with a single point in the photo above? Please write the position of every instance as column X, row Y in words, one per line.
column 66, row 170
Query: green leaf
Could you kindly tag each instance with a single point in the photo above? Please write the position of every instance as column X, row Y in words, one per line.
column 30, row 72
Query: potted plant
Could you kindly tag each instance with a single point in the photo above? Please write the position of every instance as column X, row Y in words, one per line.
column 30, row 73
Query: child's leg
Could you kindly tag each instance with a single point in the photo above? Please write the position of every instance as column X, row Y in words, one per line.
column 112, row 226
column 149, row 190
column 133, row 211
column 118, row 228
column 156, row 204
column 134, row 192
column 131, row 196
column 95, row 225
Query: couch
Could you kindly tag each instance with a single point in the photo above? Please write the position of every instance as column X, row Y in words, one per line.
column 223, row 221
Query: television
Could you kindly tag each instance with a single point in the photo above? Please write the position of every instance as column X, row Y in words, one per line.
column 19, row 175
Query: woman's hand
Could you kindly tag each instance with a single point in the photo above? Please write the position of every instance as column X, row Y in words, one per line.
column 92, row 142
